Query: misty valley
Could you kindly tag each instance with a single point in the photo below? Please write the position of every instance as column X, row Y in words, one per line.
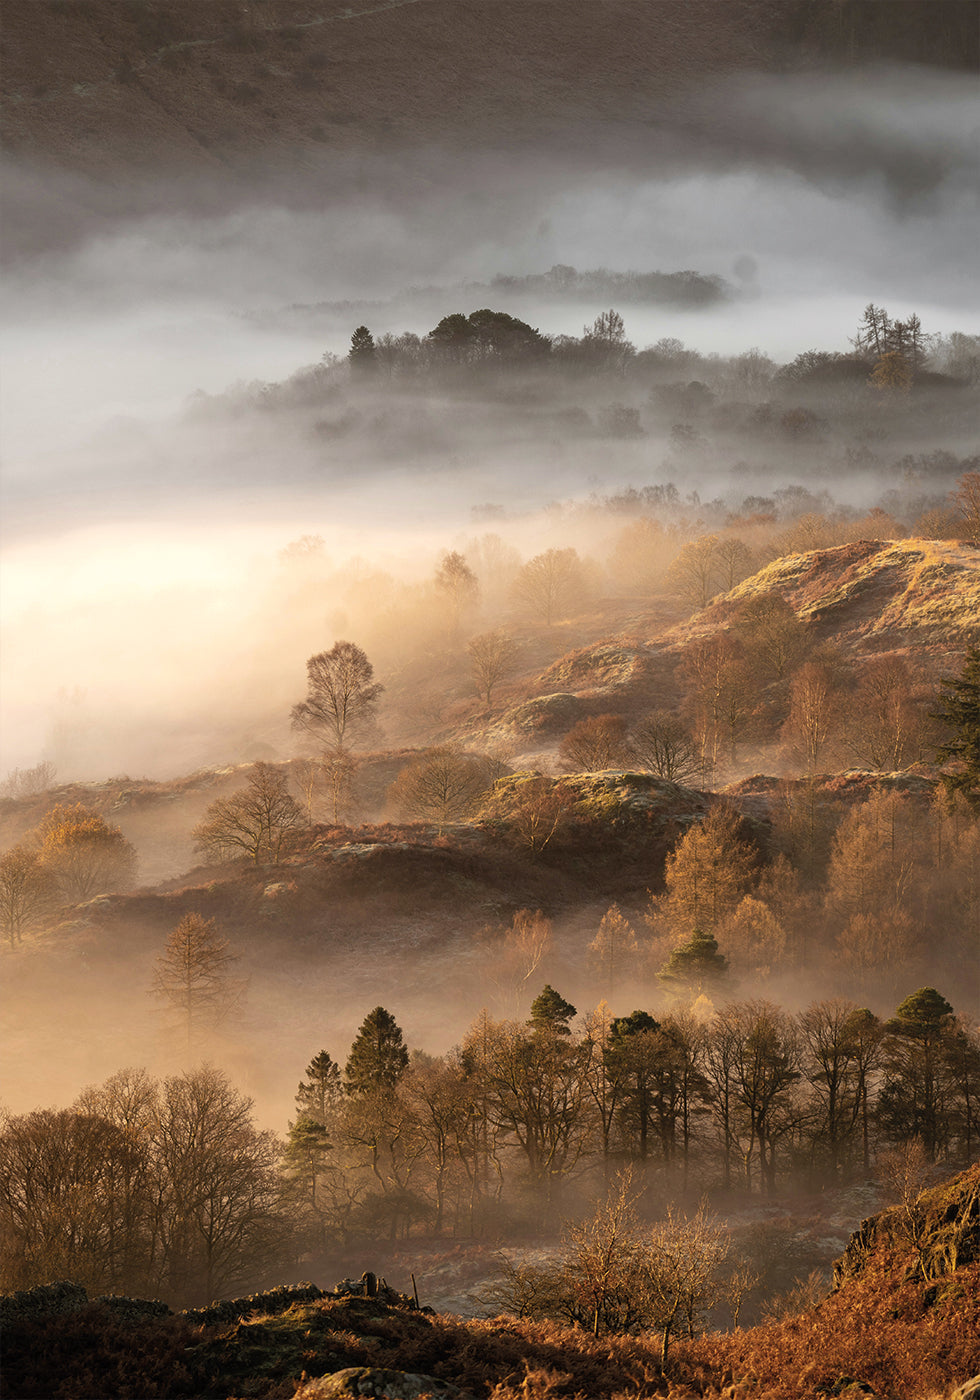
column 490, row 781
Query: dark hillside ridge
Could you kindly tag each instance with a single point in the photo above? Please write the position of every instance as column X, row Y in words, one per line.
column 91, row 84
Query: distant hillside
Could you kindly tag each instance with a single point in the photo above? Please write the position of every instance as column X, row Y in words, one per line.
column 91, row 84
column 876, row 594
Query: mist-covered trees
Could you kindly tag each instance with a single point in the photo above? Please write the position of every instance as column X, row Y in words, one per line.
column 487, row 337
column 362, row 355
column 550, row 585
column 83, row 853
column 27, row 892
column 154, row 1189
column 193, row 976
column 257, row 821
column 341, row 699
column 493, row 658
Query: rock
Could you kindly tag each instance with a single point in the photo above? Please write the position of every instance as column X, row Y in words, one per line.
column 378, row 1383
column 547, row 714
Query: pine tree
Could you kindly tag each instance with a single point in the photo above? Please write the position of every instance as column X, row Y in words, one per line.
column 551, row 1012
column 959, row 707
column 362, row 354
column 694, row 965
column 378, row 1057
column 320, row 1091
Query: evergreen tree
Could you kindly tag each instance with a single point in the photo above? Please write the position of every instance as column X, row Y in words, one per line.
column 551, row 1012
column 362, row 352
column 320, row 1091
column 914, row 1099
column 694, row 965
column 959, row 707
column 378, row 1057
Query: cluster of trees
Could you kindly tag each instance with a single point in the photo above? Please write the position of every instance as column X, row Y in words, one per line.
column 168, row 1189
column 752, row 684
column 147, row 1188
column 866, row 894
column 73, row 855
column 746, row 1096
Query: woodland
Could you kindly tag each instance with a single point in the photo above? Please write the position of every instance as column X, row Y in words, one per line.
column 494, row 824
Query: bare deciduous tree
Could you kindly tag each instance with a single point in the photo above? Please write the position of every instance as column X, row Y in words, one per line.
column 342, row 696
column 458, row 585
column 551, row 584
column 695, row 572
column 192, row 976
column 662, row 745
column 257, row 821
column 493, row 657
column 595, row 743
column 27, row 892
column 612, row 949
column 443, row 785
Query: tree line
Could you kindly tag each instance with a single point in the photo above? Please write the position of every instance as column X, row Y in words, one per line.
column 168, row 1189
column 747, row 1097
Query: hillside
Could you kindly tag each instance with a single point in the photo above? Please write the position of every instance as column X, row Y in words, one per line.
column 882, row 1332
column 871, row 596
column 90, row 84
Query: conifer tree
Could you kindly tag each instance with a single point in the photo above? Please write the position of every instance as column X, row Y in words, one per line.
column 959, row 707
column 551, row 1012
column 320, row 1091
column 378, row 1057
column 694, row 965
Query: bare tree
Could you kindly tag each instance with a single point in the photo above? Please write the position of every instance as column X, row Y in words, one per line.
column 444, row 785
column 457, row 583
column 493, row 657
column 883, row 725
column 192, row 976
column 515, row 959
column 735, row 561
column 695, row 573
column 966, row 500
column 28, row 782
column 27, row 892
column 531, row 810
column 595, row 743
column 612, row 949
column 686, row 1257
column 814, row 715
column 551, row 584
column 774, row 637
column 308, row 773
column 663, row 745
column 342, row 696
column 257, row 821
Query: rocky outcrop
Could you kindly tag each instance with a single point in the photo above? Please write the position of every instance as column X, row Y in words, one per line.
column 379, row 1383
column 938, row 1230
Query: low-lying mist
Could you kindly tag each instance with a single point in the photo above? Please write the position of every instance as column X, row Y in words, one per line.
column 177, row 410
